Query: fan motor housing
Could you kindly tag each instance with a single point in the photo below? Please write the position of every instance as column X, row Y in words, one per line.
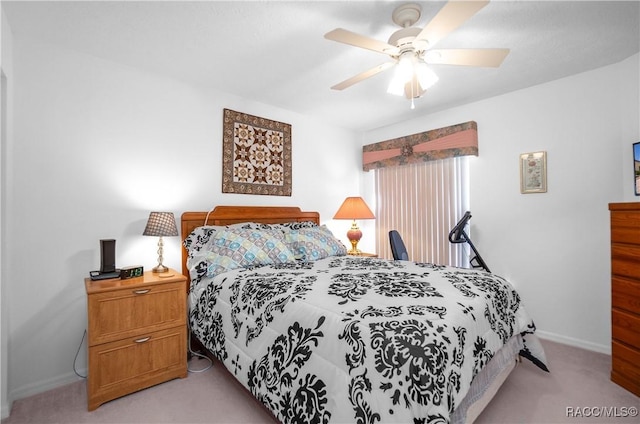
column 404, row 37
column 406, row 15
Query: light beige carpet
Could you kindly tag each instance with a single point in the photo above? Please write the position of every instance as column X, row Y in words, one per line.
column 578, row 385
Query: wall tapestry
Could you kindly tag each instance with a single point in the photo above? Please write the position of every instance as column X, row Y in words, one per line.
column 456, row 140
column 256, row 155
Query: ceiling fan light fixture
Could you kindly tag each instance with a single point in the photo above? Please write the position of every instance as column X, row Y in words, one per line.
column 410, row 47
column 403, row 73
column 411, row 69
column 405, row 67
column 426, row 77
column 396, row 85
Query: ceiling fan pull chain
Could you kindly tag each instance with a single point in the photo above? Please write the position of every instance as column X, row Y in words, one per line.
column 413, row 106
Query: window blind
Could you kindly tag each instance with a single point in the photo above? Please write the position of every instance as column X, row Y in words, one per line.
column 423, row 202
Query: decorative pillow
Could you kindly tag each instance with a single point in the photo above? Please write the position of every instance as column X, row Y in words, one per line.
column 198, row 239
column 254, row 226
column 287, row 226
column 310, row 244
column 240, row 247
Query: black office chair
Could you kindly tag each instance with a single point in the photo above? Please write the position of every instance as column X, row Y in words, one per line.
column 398, row 248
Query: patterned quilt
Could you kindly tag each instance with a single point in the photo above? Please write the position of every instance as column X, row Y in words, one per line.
column 358, row 340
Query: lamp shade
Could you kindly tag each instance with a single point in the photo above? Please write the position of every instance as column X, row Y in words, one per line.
column 354, row 208
column 161, row 224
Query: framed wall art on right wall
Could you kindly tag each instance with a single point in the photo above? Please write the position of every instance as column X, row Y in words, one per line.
column 533, row 172
column 636, row 168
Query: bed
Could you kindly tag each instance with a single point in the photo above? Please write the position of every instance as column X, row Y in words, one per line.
column 319, row 336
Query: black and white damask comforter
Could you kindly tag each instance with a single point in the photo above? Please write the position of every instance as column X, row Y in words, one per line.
column 358, row 340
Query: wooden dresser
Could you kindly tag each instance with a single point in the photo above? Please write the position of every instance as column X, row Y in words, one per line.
column 137, row 334
column 625, row 295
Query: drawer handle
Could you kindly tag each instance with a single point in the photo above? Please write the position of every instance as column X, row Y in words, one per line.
column 142, row 291
column 142, row 340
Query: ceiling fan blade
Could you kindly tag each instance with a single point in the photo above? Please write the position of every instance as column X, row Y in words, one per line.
column 362, row 76
column 489, row 58
column 451, row 16
column 347, row 37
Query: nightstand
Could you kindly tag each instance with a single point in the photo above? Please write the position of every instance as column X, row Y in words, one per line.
column 137, row 334
column 365, row 255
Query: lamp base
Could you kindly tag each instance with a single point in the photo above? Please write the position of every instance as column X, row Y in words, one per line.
column 354, row 235
column 160, row 268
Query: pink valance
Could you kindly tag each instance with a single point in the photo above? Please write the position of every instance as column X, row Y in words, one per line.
column 456, row 140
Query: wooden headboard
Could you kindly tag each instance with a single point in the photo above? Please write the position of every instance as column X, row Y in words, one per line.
column 226, row 215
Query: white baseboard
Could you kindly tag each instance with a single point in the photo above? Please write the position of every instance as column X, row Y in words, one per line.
column 4, row 412
column 42, row 386
column 596, row 347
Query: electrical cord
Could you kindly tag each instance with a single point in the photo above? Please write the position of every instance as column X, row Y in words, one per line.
column 76, row 357
column 199, row 355
column 206, row 219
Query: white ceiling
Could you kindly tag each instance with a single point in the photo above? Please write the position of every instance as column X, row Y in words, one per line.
column 276, row 53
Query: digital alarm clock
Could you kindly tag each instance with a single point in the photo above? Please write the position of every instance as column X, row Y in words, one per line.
column 131, row 272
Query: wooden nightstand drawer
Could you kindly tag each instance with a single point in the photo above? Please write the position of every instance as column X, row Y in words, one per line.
column 125, row 366
column 137, row 334
column 126, row 313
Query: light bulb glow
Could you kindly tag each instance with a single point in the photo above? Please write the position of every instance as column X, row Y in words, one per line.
column 411, row 68
column 405, row 67
column 426, row 77
column 402, row 74
column 396, row 86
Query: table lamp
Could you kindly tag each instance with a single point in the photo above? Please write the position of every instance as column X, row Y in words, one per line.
column 354, row 208
column 161, row 224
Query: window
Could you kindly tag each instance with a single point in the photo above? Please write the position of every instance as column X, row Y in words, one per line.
column 423, row 202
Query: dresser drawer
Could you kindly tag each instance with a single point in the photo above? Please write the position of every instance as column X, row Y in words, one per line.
column 625, row 294
column 625, row 260
column 625, row 327
column 625, row 227
column 625, row 366
column 128, row 365
column 132, row 311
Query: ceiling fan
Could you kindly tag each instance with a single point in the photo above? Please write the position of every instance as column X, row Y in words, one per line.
column 411, row 48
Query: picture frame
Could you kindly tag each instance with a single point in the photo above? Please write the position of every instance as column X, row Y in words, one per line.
column 636, row 168
column 533, row 172
column 256, row 155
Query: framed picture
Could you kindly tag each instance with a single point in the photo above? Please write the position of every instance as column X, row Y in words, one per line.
column 256, row 155
column 636, row 168
column 533, row 172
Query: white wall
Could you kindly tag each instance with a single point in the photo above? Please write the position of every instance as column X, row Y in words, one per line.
column 554, row 247
column 629, row 76
column 96, row 147
column 6, row 76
